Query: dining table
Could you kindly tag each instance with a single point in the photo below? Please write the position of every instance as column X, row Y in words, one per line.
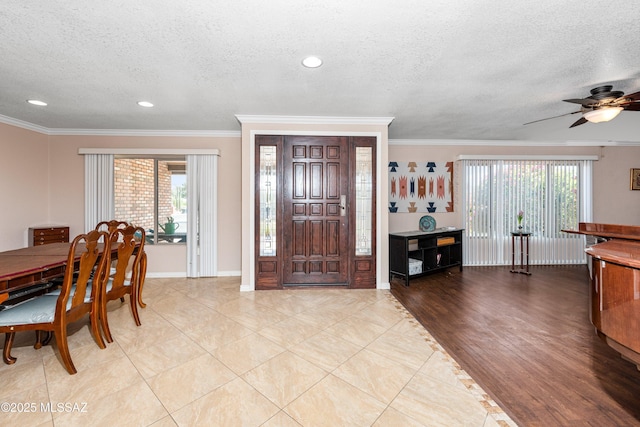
column 29, row 271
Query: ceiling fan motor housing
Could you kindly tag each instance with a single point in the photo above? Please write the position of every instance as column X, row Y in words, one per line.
column 604, row 93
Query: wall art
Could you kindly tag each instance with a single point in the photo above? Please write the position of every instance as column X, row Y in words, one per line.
column 420, row 187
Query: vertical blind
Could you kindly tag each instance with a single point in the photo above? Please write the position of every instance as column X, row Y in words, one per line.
column 202, row 200
column 98, row 189
column 552, row 195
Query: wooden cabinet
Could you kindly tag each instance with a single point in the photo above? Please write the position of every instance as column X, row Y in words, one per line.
column 48, row 234
column 417, row 253
column 615, row 295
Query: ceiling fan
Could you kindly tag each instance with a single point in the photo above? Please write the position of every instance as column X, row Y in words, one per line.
column 603, row 105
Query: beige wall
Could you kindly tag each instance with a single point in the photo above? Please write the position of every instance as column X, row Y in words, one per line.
column 613, row 201
column 24, row 184
column 168, row 259
column 42, row 181
column 37, row 168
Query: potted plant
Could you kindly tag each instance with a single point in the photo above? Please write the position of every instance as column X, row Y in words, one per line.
column 520, row 216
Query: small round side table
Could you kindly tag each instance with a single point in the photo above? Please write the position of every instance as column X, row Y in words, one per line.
column 524, row 251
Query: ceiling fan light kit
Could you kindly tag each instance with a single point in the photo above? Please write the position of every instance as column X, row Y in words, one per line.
column 604, row 104
column 602, row 115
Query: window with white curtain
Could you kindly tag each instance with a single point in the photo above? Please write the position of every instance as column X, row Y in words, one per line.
column 200, row 205
column 550, row 195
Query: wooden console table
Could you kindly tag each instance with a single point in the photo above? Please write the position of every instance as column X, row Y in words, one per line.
column 417, row 253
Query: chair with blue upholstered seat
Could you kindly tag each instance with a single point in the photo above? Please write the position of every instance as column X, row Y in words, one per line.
column 79, row 296
column 130, row 269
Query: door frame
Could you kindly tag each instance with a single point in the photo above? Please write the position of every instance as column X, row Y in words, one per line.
column 264, row 125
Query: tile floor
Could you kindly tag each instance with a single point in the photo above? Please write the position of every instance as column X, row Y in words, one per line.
column 208, row 354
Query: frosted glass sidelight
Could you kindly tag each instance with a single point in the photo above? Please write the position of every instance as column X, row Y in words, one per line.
column 364, row 199
column 267, row 200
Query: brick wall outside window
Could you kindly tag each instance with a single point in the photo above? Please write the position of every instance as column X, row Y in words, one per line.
column 134, row 192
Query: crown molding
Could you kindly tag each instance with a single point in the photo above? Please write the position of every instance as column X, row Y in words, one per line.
column 119, row 132
column 313, row 120
column 24, row 125
column 385, row 121
column 146, row 132
column 514, row 143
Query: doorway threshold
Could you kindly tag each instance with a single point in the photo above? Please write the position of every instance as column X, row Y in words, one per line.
column 315, row 285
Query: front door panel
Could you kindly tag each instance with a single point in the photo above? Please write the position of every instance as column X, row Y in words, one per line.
column 315, row 223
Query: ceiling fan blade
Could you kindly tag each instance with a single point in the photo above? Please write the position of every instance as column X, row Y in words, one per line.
column 549, row 118
column 585, row 101
column 634, row 106
column 579, row 122
column 633, row 96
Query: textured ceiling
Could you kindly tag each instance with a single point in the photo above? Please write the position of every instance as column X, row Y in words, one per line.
column 464, row 69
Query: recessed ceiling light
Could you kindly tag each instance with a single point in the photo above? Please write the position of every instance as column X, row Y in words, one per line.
column 145, row 104
column 312, row 62
column 37, row 102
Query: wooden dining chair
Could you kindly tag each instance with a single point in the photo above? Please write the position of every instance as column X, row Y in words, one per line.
column 130, row 269
column 111, row 226
column 78, row 297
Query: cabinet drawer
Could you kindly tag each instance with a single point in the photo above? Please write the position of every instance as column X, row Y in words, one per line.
column 45, row 235
column 43, row 240
column 64, row 231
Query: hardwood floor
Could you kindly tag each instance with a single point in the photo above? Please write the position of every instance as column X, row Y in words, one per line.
column 528, row 341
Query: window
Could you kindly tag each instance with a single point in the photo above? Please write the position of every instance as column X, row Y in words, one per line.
column 268, row 208
column 201, row 234
column 364, row 200
column 553, row 195
column 152, row 193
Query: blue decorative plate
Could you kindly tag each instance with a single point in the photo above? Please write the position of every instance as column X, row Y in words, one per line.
column 427, row 223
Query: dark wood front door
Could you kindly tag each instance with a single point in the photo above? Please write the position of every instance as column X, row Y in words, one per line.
column 315, row 220
column 315, row 217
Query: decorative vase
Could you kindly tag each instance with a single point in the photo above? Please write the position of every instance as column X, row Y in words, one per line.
column 519, row 227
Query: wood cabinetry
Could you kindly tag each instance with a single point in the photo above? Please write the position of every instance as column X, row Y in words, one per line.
column 614, row 295
column 48, row 234
column 417, row 253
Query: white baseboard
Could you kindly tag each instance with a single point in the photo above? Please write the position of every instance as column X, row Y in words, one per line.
column 182, row 274
column 247, row 288
column 167, row 274
column 229, row 273
column 386, row 285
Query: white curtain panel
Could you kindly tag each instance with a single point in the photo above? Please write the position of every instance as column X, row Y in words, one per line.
column 202, row 203
column 98, row 189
